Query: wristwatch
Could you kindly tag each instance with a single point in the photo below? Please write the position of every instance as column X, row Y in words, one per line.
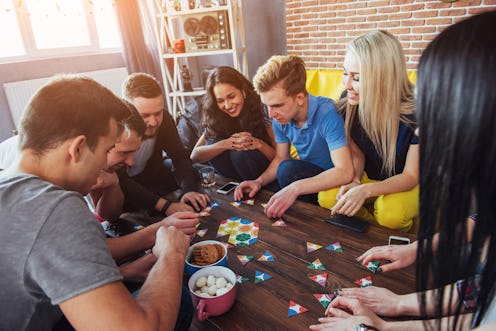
column 365, row 327
column 166, row 206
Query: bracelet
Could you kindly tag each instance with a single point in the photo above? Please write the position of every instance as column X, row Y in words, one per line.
column 166, row 206
column 365, row 327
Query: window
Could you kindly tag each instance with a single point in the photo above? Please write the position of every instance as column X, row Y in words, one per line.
column 42, row 28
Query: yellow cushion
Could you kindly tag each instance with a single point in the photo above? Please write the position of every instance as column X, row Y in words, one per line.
column 329, row 83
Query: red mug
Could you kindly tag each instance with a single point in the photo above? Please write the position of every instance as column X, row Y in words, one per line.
column 215, row 305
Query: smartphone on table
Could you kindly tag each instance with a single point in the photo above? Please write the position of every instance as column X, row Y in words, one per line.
column 396, row 240
column 348, row 222
column 229, row 187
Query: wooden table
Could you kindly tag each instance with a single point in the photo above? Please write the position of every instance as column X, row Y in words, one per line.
column 264, row 306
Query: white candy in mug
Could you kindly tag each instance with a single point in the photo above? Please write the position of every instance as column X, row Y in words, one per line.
column 211, row 286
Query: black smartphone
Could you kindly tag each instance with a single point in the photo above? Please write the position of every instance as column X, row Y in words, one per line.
column 351, row 223
column 227, row 188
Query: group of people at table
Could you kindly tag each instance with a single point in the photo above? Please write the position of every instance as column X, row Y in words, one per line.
column 360, row 156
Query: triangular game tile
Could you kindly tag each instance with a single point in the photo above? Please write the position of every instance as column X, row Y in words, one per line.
column 364, row 282
column 312, row 247
column 373, row 266
column 295, row 308
column 279, row 222
column 241, row 279
column 324, row 298
column 249, row 202
column 261, row 277
column 267, row 256
column 235, row 203
column 244, row 259
column 201, row 232
column 316, row 265
column 320, row 278
column 335, row 247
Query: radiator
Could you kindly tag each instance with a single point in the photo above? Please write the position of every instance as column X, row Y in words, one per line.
column 19, row 93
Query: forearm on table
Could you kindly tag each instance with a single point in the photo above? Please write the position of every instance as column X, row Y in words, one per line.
column 160, row 295
column 326, row 180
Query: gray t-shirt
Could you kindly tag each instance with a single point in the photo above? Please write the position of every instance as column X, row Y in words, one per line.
column 53, row 249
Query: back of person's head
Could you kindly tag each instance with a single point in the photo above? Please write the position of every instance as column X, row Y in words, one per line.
column 68, row 106
column 141, row 84
column 287, row 69
column 385, row 91
column 134, row 122
column 456, row 101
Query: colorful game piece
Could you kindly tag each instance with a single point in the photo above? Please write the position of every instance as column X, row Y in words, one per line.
column 267, row 256
column 320, row 278
column 197, row 225
column 138, row 227
column 279, row 222
column 201, row 232
column 244, row 259
column 325, row 299
column 373, row 266
column 312, row 247
column 241, row 279
column 249, row 202
column 335, row 247
column 364, row 282
column 215, row 204
column 207, row 209
column 316, row 265
column 263, row 204
column 261, row 277
column 235, row 203
column 295, row 308
column 204, row 213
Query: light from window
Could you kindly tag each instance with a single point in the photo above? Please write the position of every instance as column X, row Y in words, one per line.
column 58, row 24
column 106, row 23
column 10, row 35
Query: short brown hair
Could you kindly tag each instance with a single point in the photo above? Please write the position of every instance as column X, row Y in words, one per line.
column 142, row 85
column 289, row 69
column 68, row 106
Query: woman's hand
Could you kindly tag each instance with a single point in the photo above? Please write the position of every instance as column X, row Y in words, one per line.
column 381, row 301
column 401, row 256
column 351, row 198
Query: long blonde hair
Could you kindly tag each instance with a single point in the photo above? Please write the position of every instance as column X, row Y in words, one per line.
column 385, row 92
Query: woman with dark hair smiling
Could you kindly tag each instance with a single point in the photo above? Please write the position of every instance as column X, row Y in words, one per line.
column 456, row 267
column 237, row 138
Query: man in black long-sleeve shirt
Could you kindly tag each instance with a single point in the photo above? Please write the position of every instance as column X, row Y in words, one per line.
column 149, row 179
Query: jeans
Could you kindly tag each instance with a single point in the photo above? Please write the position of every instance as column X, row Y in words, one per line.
column 290, row 171
column 240, row 165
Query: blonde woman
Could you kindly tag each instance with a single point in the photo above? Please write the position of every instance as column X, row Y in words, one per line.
column 379, row 123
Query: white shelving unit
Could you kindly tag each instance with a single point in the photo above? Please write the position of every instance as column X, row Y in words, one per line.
column 205, row 38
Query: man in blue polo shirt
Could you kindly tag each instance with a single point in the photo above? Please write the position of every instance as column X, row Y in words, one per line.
column 312, row 125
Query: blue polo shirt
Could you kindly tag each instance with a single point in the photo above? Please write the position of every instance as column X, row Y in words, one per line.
column 322, row 132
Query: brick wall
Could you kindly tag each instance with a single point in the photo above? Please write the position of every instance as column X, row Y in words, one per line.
column 317, row 30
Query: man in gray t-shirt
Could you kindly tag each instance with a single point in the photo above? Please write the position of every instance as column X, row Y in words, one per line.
column 54, row 256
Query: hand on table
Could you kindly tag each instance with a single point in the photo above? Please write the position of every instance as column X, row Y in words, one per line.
column 185, row 221
column 345, row 314
column 248, row 186
column 350, row 199
column 401, row 256
column 280, row 202
column 381, row 301
column 177, row 207
column 198, row 200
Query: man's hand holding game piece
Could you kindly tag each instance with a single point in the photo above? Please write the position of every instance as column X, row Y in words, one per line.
column 381, row 301
column 248, row 186
column 401, row 256
column 197, row 200
column 183, row 221
column 280, row 202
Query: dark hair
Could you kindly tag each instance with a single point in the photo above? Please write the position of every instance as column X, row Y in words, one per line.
column 140, row 84
column 134, row 121
column 219, row 124
column 68, row 106
column 456, row 102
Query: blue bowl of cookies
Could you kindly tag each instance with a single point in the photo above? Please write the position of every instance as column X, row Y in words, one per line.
column 204, row 254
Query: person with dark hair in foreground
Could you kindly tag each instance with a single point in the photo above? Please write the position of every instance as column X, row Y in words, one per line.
column 55, row 259
column 456, row 104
